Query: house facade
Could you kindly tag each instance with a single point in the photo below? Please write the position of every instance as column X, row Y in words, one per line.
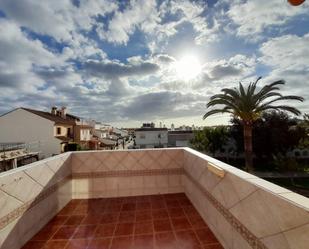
column 180, row 138
column 51, row 130
column 151, row 137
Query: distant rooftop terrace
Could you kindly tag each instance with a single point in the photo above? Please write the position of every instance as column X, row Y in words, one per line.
column 152, row 198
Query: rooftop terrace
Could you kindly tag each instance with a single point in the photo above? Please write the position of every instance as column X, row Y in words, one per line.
column 156, row 198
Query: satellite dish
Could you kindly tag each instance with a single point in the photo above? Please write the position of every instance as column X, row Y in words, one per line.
column 296, row 2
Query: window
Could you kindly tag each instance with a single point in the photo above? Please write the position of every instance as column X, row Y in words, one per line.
column 69, row 131
column 58, row 130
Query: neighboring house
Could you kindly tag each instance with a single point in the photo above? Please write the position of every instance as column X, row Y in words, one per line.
column 179, row 138
column 82, row 133
column 49, row 129
column 103, row 133
column 120, row 132
column 151, row 137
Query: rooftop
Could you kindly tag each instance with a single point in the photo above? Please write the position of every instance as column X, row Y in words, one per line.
column 151, row 198
column 69, row 119
column 142, row 222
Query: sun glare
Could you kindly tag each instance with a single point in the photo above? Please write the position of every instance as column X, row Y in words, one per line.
column 188, row 67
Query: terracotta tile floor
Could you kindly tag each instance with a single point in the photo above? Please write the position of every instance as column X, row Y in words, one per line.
column 159, row 221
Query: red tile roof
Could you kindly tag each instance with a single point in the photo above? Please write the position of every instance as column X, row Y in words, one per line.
column 70, row 119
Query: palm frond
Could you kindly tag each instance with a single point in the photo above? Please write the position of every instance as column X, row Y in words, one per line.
column 216, row 111
column 248, row 103
column 283, row 108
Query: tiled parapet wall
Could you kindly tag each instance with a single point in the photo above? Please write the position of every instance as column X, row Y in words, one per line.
column 30, row 196
column 245, row 211
column 125, row 173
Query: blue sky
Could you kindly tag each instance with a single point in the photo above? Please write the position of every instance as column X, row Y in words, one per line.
column 128, row 62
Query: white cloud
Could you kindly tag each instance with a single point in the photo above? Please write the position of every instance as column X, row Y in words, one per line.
column 289, row 52
column 288, row 56
column 139, row 14
column 253, row 17
column 57, row 18
column 17, row 55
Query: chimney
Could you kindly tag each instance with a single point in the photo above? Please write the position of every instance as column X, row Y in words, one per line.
column 54, row 110
column 63, row 112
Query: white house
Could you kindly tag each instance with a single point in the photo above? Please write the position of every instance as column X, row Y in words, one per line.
column 151, row 137
column 48, row 129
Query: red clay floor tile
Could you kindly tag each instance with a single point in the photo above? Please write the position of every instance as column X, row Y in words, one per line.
column 188, row 238
column 144, row 215
column 146, row 222
column 77, row 244
column 181, row 223
column 127, row 216
column 213, row 246
column 162, row 225
column 125, row 242
column 56, row 244
column 145, row 227
column 102, row 243
column 64, row 232
column 176, row 212
column 34, row 245
column 85, row 232
column 106, row 230
column 58, row 220
column 92, row 219
column 124, row 229
column 206, row 236
column 109, row 218
column 166, row 240
column 74, row 220
column 46, row 233
column 143, row 242
column 159, row 214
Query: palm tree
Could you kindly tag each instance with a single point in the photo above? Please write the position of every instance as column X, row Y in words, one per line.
column 247, row 105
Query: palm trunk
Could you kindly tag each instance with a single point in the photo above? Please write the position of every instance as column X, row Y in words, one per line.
column 248, row 147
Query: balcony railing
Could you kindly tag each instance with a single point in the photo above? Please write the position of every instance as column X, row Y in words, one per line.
column 242, row 210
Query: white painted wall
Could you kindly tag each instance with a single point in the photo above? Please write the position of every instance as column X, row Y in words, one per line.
column 85, row 134
column 149, row 139
column 23, row 126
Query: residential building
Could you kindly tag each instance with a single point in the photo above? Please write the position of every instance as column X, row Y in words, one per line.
column 51, row 129
column 120, row 132
column 103, row 132
column 179, row 138
column 150, row 137
column 82, row 134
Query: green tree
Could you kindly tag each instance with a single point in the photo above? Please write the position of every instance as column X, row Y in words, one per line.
column 247, row 104
column 210, row 139
column 304, row 124
column 274, row 134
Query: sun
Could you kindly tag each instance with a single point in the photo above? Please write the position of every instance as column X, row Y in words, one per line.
column 188, row 67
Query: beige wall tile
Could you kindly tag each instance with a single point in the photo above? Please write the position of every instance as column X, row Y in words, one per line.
column 149, row 182
column 42, row 174
column 297, row 199
column 231, row 189
column 298, row 238
column 81, row 185
column 277, row 241
column 20, row 186
column 255, row 214
column 239, row 242
column 287, row 214
column 162, row 181
column 8, row 203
